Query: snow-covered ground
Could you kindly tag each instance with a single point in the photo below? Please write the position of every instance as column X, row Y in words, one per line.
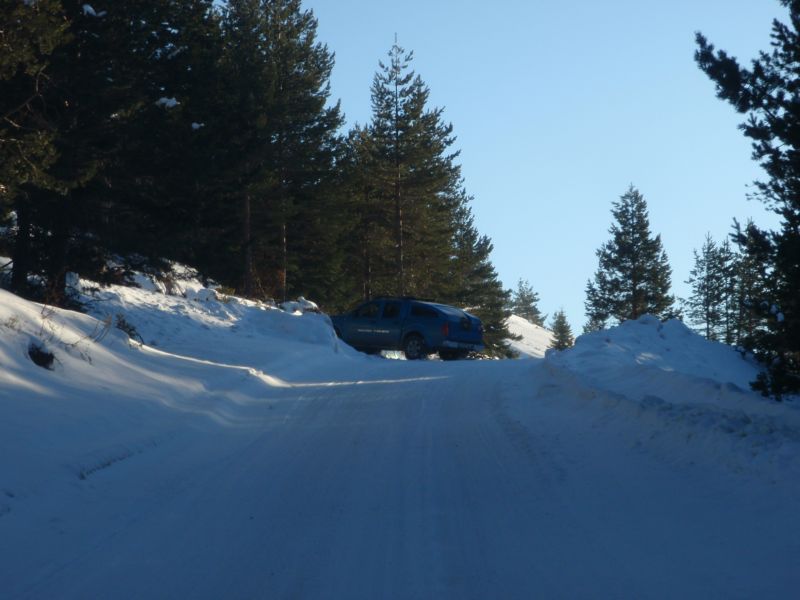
column 535, row 340
column 244, row 452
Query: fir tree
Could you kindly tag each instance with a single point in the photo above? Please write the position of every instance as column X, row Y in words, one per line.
column 31, row 34
column 706, row 307
column 750, row 280
column 87, row 100
column 728, row 264
column 282, row 145
column 416, row 179
column 525, row 303
column 633, row 276
column 562, row 332
column 766, row 92
column 475, row 285
column 367, row 236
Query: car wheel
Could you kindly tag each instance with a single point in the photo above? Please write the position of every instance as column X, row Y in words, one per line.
column 414, row 347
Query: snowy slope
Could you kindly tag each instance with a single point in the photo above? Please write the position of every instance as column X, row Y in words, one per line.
column 535, row 340
column 691, row 397
column 244, row 452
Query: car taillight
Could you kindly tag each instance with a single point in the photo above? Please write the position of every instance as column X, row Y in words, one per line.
column 446, row 329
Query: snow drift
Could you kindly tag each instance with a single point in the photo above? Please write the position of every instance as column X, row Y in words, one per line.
column 688, row 396
column 535, row 339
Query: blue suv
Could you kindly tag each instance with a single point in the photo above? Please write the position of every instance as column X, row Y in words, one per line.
column 416, row 327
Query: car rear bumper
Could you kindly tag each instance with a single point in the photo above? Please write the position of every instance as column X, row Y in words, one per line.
column 462, row 345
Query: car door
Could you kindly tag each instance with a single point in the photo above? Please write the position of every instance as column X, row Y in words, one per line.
column 364, row 326
column 387, row 329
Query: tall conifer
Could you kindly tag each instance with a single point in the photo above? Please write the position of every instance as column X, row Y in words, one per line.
column 562, row 332
column 416, row 179
column 633, row 275
column 525, row 303
column 767, row 93
column 709, row 283
column 282, row 144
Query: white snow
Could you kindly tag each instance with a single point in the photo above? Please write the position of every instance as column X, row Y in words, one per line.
column 535, row 339
column 167, row 102
column 244, row 451
column 301, row 305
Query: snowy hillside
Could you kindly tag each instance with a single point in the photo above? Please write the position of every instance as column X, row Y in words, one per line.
column 243, row 451
column 535, row 339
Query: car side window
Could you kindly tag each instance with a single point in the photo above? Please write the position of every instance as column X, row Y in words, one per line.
column 368, row 311
column 418, row 310
column 391, row 310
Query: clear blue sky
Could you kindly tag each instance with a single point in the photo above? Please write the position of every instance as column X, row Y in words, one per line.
column 558, row 107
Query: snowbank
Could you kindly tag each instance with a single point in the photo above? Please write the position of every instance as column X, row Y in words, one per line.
column 535, row 339
column 679, row 391
column 197, row 321
column 647, row 354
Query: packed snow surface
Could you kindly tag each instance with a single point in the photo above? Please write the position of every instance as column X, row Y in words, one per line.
column 242, row 451
column 535, row 340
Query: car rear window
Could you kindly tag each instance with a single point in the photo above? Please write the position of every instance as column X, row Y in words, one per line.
column 451, row 311
column 426, row 312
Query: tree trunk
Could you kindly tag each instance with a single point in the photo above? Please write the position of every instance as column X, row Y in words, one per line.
column 282, row 280
column 366, row 275
column 398, row 207
column 247, row 248
column 21, row 253
column 57, row 249
column 398, row 210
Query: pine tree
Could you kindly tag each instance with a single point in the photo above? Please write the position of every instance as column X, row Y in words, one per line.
column 156, row 63
column 474, row 282
column 633, row 276
column 110, row 147
column 525, row 303
column 415, row 177
column 727, row 261
column 706, row 307
column 85, row 101
column 367, row 235
column 751, row 283
column 282, row 146
column 562, row 332
column 32, row 33
column 767, row 92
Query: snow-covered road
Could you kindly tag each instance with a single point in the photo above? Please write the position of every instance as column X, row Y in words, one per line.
column 408, row 480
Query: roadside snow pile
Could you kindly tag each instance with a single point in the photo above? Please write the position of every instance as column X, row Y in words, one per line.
column 535, row 339
column 79, row 392
column 200, row 322
column 685, row 390
column 646, row 354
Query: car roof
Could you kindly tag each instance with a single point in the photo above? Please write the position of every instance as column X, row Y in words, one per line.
column 445, row 308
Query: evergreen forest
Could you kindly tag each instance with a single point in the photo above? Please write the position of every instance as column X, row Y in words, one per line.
column 137, row 133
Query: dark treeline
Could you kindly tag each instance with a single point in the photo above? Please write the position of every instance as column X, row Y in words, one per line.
column 160, row 130
column 767, row 93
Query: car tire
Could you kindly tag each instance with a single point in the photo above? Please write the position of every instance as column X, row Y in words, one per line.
column 414, row 347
